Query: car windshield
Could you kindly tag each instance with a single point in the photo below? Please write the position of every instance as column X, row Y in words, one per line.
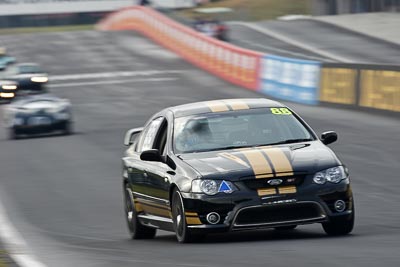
column 25, row 69
column 235, row 129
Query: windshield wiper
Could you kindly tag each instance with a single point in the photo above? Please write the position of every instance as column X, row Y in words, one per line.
column 291, row 141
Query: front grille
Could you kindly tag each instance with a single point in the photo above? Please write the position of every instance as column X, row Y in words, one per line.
column 276, row 214
column 255, row 184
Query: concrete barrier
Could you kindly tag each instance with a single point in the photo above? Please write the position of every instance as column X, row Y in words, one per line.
column 302, row 81
column 290, row 79
column 232, row 63
column 361, row 86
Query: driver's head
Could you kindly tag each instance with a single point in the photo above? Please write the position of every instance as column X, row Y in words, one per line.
column 199, row 126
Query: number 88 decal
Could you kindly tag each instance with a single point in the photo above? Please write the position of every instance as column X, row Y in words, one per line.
column 281, row 111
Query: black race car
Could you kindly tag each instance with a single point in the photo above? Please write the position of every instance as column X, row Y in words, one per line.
column 232, row 165
column 38, row 113
column 28, row 76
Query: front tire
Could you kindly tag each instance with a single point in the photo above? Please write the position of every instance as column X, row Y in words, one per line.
column 12, row 134
column 183, row 233
column 136, row 229
column 340, row 226
column 68, row 128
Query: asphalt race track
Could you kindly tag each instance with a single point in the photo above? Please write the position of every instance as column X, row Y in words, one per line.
column 64, row 195
column 249, row 38
column 342, row 45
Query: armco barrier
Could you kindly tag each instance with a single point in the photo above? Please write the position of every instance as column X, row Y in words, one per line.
column 290, row 79
column 358, row 85
column 234, row 64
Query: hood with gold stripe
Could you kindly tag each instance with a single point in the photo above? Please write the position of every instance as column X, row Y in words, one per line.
column 263, row 162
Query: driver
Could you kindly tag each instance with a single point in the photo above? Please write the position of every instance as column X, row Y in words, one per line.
column 195, row 133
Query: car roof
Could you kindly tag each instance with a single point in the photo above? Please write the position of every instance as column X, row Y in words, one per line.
column 223, row 105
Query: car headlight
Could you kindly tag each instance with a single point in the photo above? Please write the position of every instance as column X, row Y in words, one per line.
column 332, row 175
column 212, row 187
column 39, row 79
column 9, row 87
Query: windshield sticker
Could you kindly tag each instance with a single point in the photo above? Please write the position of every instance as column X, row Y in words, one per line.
column 281, row 111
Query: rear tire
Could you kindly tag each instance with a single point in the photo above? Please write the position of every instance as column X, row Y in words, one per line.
column 12, row 134
column 183, row 233
column 136, row 229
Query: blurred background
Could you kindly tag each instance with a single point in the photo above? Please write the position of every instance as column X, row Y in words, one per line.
column 110, row 64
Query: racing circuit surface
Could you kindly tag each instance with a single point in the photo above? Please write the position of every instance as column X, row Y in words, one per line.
column 64, row 194
column 315, row 37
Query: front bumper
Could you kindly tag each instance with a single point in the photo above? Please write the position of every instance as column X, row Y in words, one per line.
column 246, row 210
column 23, row 125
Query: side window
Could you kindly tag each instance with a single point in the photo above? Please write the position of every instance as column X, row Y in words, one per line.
column 161, row 140
column 148, row 135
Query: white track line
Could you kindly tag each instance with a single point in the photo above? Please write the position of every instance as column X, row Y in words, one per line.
column 78, row 84
column 282, row 50
column 112, row 74
column 15, row 244
column 291, row 41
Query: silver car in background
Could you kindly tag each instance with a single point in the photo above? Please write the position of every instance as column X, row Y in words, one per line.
column 35, row 114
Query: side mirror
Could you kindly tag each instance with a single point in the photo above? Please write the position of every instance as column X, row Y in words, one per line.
column 329, row 137
column 128, row 139
column 151, row 155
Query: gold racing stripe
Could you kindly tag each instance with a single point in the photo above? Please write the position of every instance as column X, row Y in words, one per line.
column 156, row 211
column 193, row 220
column 234, row 158
column 266, row 191
column 281, row 164
column 287, row 190
column 217, row 106
column 237, row 104
column 259, row 164
column 194, row 214
column 138, row 208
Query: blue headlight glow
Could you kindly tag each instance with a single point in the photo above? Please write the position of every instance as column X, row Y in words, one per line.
column 213, row 187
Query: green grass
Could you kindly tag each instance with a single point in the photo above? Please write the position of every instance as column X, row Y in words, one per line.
column 46, row 29
column 254, row 10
